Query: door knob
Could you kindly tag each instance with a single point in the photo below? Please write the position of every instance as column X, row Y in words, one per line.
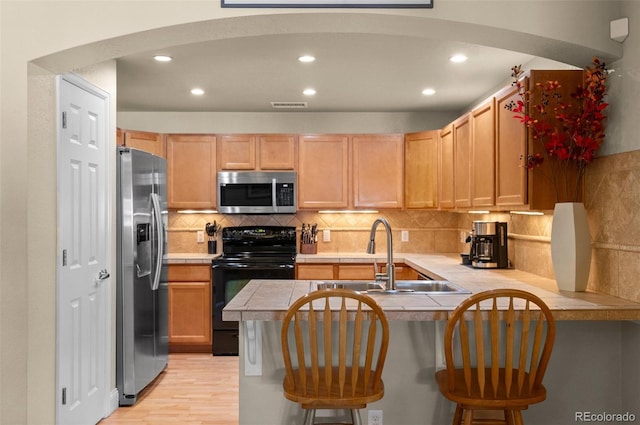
column 102, row 275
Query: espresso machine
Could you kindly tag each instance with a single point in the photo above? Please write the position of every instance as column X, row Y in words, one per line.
column 489, row 245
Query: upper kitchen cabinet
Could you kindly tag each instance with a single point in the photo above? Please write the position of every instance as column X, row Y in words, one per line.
column 236, row 151
column 378, row 170
column 145, row 141
column 119, row 137
column 462, row 160
column 515, row 185
column 511, row 150
column 483, row 154
column 191, row 170
column 540, row 187
column 421, row 170
column 446, row 181
column 277, row 151
column 323, row 177
column 256, row 152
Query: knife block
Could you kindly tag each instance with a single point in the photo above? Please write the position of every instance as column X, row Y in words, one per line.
column 308, row 248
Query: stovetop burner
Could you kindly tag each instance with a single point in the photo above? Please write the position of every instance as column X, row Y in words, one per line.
column 259, row 243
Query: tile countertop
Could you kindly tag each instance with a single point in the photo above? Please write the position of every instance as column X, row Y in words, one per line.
column 269, row 299
column 190, row 258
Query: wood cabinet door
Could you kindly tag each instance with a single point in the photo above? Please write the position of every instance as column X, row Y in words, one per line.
column 323, row 177
column 190, row 307
column 511, row 145
column 462, row 161
column 191, row 171
column 190, row 313
column 445, row 166
column 541, row 193
column 378, row 170
column 277, row 152
column 236, row 151
column 119, row 137
column 483, row 154
column 356, row 271
column 314, row 271
column 421, row 170
column 145, row 141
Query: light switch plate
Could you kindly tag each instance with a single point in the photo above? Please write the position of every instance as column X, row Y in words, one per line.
column 404, row 236
column 326, row 235
column 200, row 236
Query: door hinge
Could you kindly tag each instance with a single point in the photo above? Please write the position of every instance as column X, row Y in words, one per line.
column 64, row 120
column 64, row 257
column 64, row 396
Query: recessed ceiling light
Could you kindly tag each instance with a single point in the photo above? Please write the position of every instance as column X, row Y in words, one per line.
column 306, row 58
column 197, row 92
column 458, row 58
column 163, row 58
column 309, row 92
column 428, row 92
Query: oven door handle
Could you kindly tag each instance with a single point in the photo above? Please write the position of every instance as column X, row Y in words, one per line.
column 246, row 266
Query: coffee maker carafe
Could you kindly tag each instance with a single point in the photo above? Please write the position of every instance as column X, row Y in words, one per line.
column 489, row 245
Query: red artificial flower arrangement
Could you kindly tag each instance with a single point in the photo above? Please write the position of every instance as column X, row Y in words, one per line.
column 570, row 132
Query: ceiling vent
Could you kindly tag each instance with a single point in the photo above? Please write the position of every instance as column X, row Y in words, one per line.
column 289, row 105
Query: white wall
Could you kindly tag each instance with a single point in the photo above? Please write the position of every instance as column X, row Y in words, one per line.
column 623, row 126
column 283, row 122
column 60, row 36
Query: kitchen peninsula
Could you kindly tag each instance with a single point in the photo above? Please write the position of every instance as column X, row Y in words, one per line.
column 585, row 372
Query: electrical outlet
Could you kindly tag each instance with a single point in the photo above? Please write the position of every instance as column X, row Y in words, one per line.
column 375, row 417
column 326, row 235
column 404, row 236
column 200, row 236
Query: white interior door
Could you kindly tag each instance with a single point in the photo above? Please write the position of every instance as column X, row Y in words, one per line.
column 83, row 284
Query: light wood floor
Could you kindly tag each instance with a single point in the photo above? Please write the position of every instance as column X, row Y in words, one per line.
column 194, row 389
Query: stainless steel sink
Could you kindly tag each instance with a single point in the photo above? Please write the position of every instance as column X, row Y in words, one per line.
column 354, row 285
column 404, row 287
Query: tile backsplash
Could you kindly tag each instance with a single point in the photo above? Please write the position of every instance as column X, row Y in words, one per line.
column 429, row 231
column 612, row 199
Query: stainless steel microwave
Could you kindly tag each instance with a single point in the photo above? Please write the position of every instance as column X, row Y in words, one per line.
column 257, row 192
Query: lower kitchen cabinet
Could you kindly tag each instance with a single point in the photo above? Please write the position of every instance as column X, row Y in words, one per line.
column 356, row 271
column 190, row 308
column 314, row 271
column 351, row 271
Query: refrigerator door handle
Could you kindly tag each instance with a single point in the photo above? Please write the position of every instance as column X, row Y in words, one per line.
column 157, row 214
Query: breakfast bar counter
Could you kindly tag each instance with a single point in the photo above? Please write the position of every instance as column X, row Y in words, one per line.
column 593, row 366
column 269, row 300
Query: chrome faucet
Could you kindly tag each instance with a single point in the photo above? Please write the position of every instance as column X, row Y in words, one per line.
column 390, row 275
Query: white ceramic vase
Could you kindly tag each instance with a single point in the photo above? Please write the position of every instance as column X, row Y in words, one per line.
column 570, row 246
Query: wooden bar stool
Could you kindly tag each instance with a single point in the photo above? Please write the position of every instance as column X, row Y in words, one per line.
column 506, row 337
column 339, row 341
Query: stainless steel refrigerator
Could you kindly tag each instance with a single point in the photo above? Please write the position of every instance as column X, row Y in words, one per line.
column 142, row 337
